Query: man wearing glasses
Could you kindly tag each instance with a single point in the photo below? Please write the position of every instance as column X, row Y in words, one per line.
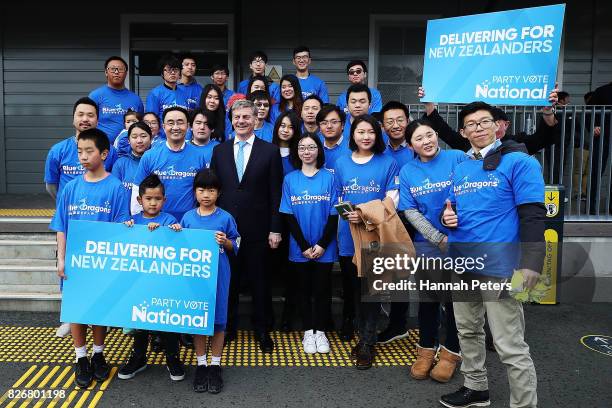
column 495, row 198
column 395, row 119
column 263, row 128
column 114, row 99
column 167, row 94
column 257, row 65
column 358, row 74
column 309, row 83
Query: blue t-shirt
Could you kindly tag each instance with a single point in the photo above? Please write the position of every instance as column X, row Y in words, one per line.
column 424, row 186
column 375, row 105
column 207, row 149
column 163, row 219
column 265, row 132
column 360, row 183
column 193, row 91
column 227, row 94
column 105, row 200
column 62, row 164
column 314, row 85
column 272, row 87
column 402, row 155
column 332, row 155
column 311, row 200
column 287, row 166
column 177, row 171
column 161, row 97
column 219, row 220
column 125, row 170
column 112, row 105
column 487, row 213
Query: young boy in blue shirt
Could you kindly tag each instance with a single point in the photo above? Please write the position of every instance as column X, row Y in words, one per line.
column 206, row 187
column 95, row 196
column 151, row 197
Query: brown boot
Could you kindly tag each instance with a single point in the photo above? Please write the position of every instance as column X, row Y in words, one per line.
column 444, row 370
column 421, row 367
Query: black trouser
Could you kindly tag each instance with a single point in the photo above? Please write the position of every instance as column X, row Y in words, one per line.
column 397, row 316
column 141, row 342
column 314, row 279
column 251, row 262
column 429, row 321
column 369, row 313
column 350, row 287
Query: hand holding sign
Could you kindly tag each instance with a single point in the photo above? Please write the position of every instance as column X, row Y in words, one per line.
column 449, row 217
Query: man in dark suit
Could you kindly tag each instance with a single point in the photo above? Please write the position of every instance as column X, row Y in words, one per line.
column 251, row 175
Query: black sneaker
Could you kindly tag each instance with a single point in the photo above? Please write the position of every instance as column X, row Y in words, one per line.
column 157, row 343
column 186, row 340
column 215, row 380
column 83, row 374
column 465, row 398
column 100, row 369
column 175, row 368
column 133, row 366
column 200, row 381
column 391, row 334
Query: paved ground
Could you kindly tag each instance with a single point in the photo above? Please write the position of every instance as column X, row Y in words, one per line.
column 569, row 374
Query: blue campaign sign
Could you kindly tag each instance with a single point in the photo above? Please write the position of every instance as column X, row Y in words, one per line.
column 135, row 278
column 503, row 58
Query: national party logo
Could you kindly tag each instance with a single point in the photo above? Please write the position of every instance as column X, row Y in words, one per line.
column 355, row 187
column 82, row 208
column 167, row 315
column 305, row 198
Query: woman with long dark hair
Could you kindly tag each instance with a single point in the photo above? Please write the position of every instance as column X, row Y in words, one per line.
column 211, row 100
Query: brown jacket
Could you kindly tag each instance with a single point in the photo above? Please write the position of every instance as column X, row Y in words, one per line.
column 382, row 232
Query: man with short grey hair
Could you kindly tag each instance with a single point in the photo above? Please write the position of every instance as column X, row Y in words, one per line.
column 251, row 175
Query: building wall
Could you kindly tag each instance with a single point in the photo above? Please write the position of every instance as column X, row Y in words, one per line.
column 47, row 63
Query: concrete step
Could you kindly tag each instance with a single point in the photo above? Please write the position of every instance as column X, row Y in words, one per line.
column 30, row 301
column 21, row 225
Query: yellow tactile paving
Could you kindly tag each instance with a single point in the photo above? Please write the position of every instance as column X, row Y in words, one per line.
column 38, row 345
column 54, row 390
column 21, row 212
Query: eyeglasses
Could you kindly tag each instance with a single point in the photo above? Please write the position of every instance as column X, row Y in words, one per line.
column 355, row 72
column 117, row 70
column 333, row 122
column 309, row 148
column 258, row 61
column 262, row 105
column 172, row 70
column 484, row 124
column 302, row 57
column 399, row 121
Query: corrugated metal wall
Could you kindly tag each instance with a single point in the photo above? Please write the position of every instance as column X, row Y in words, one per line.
column 50, row 62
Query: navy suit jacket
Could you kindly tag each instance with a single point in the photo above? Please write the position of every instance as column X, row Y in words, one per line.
column 253, row 202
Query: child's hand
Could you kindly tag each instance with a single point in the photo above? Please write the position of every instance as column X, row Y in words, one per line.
column 220, row 237
column 176, row 227
column 317, row 251
column 61, row 270
column 153, row 226
column 129, row 223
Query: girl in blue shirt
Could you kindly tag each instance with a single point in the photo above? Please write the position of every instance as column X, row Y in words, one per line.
column 290, row 96
column 308, row 201
column 366, row 174
column 206, row 187
column 211, row 100
column 139, row 136
column 286, row 131
column 424, row 186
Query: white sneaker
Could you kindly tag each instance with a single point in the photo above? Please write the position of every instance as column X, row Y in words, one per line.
column 321, row 342
column 63, row 330
column 308, row 343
